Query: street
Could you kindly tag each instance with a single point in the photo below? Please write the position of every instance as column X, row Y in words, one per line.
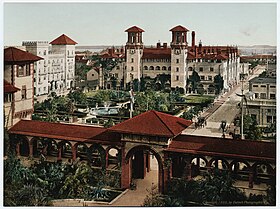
column 225, row 108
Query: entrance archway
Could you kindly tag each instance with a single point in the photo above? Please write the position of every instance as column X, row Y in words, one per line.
column 139, row 160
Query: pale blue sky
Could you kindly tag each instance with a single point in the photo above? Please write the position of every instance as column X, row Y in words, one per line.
column 105, row 23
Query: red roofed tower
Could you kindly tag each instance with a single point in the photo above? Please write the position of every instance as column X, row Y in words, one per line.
column 65, row 45
column 179, row 52
column 134, row 52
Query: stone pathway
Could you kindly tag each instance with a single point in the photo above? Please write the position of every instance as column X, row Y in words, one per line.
column 136, row 197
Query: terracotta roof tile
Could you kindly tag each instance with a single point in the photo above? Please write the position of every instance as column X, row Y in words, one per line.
column 134, row 29
column 63, row 40
column 214, row 146
column 179, row 28
column 156, row 53
column 153, row 123
column 9, row 88
column 15, row 55
column 62, row 131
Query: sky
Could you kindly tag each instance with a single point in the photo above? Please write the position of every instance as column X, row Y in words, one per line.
column 105, row 23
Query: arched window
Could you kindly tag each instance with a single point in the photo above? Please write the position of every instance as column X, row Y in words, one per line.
column 163, row 68
column 169, row 68
column 157, row 67
column 145, row 67
column 190, row 68
column 151, row 67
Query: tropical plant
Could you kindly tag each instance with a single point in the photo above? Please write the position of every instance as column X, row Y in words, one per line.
column 218, row 83
column 250, row 128
column 217, row 188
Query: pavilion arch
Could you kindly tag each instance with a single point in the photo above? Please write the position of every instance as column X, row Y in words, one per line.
column 22, row 146
column 97, row 156
column 198, row 163
column 51, row 148
column 65, row 149
column 82, row 150
column 232, row 165
column 218, row 163
column 143, row 148
column 113, row 157
column 265, row 167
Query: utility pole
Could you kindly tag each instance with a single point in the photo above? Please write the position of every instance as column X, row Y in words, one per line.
column 131, row 102
column 242, row 98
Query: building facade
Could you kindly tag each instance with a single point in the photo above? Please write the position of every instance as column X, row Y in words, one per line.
column 18, row 85
column 179, row 61
column 263, row 106
column 56, row 72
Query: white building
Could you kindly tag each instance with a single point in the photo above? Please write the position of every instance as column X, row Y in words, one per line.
column 57, row 71
column 179, row 61
column 18, row 85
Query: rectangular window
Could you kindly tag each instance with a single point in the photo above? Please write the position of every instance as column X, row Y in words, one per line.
column 177, row 69
column 177, row 78
column 201, row 69
column 202, row 77
column 263, row 95
column 256, row 86
column 256, row 95
column 132, row 68
column 211, row 69
column 263, row 86
column 45, row 88
column 27, row 70
column 273, row 87
column 210, row 78
column 20, row 71
column 118, row 67
column 132, row 60
column 272, row 96
column 269, row 119
column 23, row 92
column 116, row 75
column 177, row 60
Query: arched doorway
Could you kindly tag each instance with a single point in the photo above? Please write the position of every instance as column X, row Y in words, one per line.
column 141, row 160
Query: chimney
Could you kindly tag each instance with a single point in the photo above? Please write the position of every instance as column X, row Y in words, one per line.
column 200, row 44
column 193, row 39
column 158, row 45
column 165, row 45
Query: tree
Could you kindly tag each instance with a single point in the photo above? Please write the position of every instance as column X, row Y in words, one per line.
column 218, row 83
column 194, row 80
column 77, row 96
column 106, row 64
column 81, row 72
column 250, row 128
column 217, row 188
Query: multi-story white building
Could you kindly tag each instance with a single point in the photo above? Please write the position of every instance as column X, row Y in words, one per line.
column 56, row 72
column 18, row 85
column 179, row 61
column 263, row 106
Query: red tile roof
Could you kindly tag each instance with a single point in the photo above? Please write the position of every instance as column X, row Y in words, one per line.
column 71, row 132
column 153, row 123
column 156, row 53
column 9, row 88
column 14, row 55
column 213, row 146
column 179, row 28
column 63, row 40
column 134, row 29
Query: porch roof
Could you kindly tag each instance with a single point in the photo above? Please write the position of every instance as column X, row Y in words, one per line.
column 72, row 132
column 213, row 146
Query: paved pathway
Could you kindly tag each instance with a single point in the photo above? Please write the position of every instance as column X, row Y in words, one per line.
column 224, row 108
column 136, row 197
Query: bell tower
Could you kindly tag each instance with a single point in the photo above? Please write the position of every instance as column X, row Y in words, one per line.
column 134, row 53
column 179, row 53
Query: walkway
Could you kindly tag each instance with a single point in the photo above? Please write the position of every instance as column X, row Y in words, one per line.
column 224, row 108
column 136, row 197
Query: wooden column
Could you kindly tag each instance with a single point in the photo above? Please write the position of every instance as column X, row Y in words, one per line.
column 107, row 159
column 125, row 176
column 74, row 152
column 145, row 164
column 59, row 153
column 18, row 149
column 30, row 148
column 251, row 178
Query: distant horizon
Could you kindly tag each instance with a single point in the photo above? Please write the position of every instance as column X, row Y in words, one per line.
column 93, row 23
